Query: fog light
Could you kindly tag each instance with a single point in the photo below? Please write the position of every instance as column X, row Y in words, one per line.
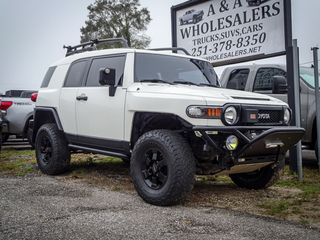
column 232, row 143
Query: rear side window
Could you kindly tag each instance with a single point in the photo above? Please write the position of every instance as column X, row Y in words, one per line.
column 47, row 77
column 75, row 74
column 264, row 79
column 116, row 62
column 238, row 79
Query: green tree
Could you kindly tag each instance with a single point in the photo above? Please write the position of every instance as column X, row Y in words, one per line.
column 117, row 18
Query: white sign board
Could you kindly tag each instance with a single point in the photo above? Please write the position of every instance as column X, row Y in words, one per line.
column 224, row 31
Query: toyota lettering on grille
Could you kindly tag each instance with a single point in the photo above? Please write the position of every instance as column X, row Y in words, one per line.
column 263, row 116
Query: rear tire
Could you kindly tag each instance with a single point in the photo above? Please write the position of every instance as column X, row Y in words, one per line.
column 162, row 167
column 52, row 151
column 262, row 178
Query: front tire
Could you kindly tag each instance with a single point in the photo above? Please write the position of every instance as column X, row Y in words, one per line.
column 52, row 152
column 162, row 167
column 262, row 178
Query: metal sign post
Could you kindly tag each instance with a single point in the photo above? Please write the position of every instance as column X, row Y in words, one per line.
column 316, row 79
column 297, row 110
column 294, row 153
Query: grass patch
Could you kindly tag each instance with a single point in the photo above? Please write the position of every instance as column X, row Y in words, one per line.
column 18, row 163
column 302, row 203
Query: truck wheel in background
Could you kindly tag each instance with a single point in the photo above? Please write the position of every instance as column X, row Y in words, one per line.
column 262, row 178
column 162, row 167
column 52, row 152
column 4, row 137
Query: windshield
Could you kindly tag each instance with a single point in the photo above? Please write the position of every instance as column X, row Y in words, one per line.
column 307, row 74
column 174, row 70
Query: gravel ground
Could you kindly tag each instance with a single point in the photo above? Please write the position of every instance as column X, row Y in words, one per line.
column 44, row 207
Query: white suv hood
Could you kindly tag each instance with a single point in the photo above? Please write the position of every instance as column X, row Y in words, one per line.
column 209, row 94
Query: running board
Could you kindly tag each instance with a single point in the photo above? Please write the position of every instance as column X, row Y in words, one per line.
column 99, row 151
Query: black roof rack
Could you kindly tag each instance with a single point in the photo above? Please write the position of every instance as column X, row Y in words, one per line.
column 90, row 46
column 172, row 49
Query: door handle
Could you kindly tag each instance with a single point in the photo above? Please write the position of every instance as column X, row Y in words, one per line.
column 82, row 97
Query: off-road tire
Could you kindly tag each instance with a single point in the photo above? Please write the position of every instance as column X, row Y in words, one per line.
column 52, row 152
column 262, row 178
column 162, row 167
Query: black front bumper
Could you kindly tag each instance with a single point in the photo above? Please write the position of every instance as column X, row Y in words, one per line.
column 267, row 145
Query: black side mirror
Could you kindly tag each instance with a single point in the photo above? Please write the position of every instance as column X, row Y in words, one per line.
column 279, row 85
column 108, row 77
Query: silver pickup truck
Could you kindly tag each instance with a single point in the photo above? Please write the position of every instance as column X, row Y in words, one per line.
column 191, row 16
column 17, row 109
column 261, row 79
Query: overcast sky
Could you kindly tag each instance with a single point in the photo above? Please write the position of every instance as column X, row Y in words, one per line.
column 33, row 33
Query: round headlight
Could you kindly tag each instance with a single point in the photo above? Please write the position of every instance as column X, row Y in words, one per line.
column 287, row 116
column 195, row 111
column 230, row 115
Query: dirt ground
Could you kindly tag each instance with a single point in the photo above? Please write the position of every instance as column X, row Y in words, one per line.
column 278, row 202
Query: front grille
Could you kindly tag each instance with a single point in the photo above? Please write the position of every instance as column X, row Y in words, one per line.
column 269, row 116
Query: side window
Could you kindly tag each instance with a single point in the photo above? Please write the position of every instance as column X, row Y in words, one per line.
column 238, row 79
column 47, row 77
column 110, row 62
column 264, row 79
column 75, row 74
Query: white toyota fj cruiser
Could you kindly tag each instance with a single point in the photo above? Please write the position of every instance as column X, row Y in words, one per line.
column 165, row 113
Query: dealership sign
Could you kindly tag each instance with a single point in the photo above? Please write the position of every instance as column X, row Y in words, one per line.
column 230, row 31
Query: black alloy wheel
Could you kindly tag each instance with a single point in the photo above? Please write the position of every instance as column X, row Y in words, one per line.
column 45, row 150
column 154, row 169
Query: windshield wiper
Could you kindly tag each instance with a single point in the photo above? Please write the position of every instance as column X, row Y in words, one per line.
column 186, row 82
column 155, row 81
